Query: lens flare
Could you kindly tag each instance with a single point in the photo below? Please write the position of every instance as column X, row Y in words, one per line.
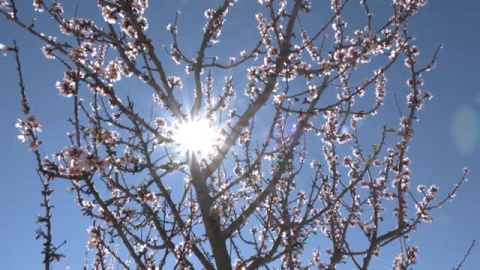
column 465, row 129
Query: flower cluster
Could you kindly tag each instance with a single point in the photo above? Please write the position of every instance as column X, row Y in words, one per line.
column 68, row 87
column 29, row 130
column 104, row 136
column 216, row 21
column 404, row 260
column 132, row 16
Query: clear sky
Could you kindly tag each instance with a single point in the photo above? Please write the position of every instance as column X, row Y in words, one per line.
column 447, row 138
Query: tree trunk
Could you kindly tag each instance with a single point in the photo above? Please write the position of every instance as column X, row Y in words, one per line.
column 211, row 220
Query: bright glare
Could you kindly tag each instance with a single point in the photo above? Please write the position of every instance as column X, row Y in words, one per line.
column 196, row 136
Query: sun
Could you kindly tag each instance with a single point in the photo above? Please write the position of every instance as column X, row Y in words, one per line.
column 196, row 136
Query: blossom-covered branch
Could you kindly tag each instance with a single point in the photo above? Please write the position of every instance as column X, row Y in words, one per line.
column 285, row 177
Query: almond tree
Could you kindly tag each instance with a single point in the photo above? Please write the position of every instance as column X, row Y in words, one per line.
column 252, row 196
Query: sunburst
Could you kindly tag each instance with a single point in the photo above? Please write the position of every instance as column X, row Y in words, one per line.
column 196, row 136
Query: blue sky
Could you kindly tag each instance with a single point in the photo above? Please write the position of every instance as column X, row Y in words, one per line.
column 447, row 138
